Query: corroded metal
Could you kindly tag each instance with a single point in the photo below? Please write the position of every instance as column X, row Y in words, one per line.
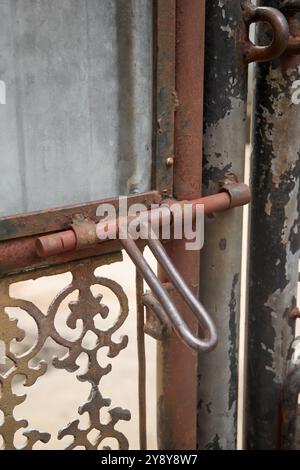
column 18, row 234
column 290, row 9
column 165, row 96
column 52, row 220
column 177, row 366
column 280, row 33
column 57, row 243
column 21, row 255
column 289, row 5
column 139, row 282
column 85, row 308
column 289, row 409
column 225, row 131
column 83, row 232
column 157, row 324
column 190, row 17
column 274, row 244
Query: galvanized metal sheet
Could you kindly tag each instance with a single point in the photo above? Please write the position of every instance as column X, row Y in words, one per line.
column 77, row 121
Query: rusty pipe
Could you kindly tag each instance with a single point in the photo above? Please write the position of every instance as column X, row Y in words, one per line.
column 56, row 243
column 84, row 233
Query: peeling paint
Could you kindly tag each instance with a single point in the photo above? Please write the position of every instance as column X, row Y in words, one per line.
column 268, row 206
column 218, row 145
column 233, row 341
column 223, row 244
column 214, row 444
column 225, row 133
column 274, row 242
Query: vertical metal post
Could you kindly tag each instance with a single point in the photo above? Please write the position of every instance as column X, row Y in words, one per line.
column 142, row 361
column 224, row 152
column 164, row 94
column 177, row 365
column 274, row 241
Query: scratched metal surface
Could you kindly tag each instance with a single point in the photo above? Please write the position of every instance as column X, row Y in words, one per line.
column 77, row 121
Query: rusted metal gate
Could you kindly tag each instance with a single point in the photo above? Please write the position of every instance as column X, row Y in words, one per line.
column 107, row 98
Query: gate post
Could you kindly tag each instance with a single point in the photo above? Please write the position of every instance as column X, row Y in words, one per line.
column 177, row 364
column 274, row 241
column 224, row 152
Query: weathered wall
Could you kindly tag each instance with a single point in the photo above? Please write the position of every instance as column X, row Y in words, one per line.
column 77, row 122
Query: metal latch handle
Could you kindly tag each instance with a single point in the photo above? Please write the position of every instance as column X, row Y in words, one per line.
column 84, row 233
column 205, row 321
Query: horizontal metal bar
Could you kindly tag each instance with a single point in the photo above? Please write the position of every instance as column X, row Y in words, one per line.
column 17, row 256
column 53, row 220
column 33, row 252
column 85, row 231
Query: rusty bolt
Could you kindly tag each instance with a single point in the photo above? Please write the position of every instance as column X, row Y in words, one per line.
column 170, row 161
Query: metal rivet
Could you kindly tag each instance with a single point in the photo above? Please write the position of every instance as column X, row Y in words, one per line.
column 170, row 161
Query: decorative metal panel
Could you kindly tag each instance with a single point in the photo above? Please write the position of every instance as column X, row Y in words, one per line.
column 85, row 308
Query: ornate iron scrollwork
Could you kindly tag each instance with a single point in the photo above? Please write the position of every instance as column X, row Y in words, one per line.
column 86, row 308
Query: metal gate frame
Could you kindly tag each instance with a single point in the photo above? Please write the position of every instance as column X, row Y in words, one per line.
column 60, row 240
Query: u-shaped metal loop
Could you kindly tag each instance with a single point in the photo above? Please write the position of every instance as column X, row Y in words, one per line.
column 281, row 34
column 205, row 321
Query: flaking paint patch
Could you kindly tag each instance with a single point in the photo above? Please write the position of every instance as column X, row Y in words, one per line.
column 215, row 444
column 279, row 121
column 233, row 342
column 228, row 30
column 218, row 145
column 279, row 118
column 268, row 206
column 278, row 302
column 274, row 249
column 291, row 214
column 224, row 149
